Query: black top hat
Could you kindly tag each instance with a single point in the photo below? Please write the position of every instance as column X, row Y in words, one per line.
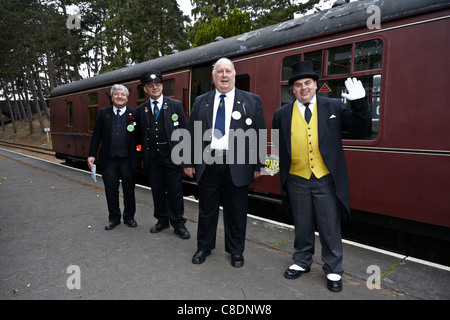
column 152, row 76
column 301, row 70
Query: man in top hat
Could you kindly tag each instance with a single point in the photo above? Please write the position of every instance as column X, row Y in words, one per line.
column 158, row 117
column 313, row 172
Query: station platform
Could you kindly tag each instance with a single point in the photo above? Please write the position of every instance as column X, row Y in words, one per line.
column 52, row 238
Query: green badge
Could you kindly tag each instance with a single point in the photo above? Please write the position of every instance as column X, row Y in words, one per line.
column 130, row 128
column 174, row 117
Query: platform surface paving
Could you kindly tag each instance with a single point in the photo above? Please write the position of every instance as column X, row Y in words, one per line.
column 52, row 239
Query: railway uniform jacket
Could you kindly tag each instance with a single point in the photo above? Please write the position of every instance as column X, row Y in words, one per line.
column 333, row 118
column 174, row 118
column 101, row 137
column 250, row 107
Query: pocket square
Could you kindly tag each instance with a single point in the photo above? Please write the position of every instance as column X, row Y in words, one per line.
column 332, row 116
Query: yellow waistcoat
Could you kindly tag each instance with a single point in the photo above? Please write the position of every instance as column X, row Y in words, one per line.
column 305, row 153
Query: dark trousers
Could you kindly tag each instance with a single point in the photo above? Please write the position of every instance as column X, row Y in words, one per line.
column 165, row 179
column 216, row 181
column 114, row 170
column 314, row 201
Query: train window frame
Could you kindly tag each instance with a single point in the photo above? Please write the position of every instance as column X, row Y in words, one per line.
column 169, row 87
column 369, row 76
column 342, row 66
column 92, row 110
column 243, row 82
column 69, row 105
column 93, row 99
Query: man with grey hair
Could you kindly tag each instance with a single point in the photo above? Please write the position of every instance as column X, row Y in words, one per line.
column 231, row 114
column 115, row 134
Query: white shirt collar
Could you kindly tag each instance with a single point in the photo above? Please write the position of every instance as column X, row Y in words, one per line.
column 230, row 94
column 122, row 111
column 160, row 102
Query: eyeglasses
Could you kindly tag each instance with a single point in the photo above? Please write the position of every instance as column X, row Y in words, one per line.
column 154, row 85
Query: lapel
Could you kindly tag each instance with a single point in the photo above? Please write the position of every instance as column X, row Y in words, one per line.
column 209, row 107
column 286, row 123
column 147, row 114
column 128, row 111
column 108, row 118
column 167, row 113
column 239, row 106
column 323, row 113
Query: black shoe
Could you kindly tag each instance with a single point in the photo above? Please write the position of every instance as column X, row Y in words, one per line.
column 158, row 227
column 131, row 223
column 237, row 260
column 335, row 286
column 294, row 274
column 111, row 225
column 200, row 256
column 182, row 233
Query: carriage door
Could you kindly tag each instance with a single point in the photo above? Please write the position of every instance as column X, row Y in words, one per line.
column 200, row 81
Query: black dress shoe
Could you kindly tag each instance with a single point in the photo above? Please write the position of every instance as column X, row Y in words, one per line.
column 111, row 225
column 182, row 233
column 158, row 227
column 335, row 286
column 200, row 256
column 294, row 274
column 237, row 260
column 131, row 223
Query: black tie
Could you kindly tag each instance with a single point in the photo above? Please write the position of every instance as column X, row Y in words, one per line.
column 155, row 109
column 307, row 112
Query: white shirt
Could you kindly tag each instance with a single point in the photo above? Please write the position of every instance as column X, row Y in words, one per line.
column 311, row 106
column 160, row 103
column 222, row 143
column 122, row 111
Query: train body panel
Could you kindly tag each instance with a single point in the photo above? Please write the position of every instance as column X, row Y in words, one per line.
column 401, row 168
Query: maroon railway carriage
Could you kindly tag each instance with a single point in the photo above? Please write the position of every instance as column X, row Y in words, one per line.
column 400, row 168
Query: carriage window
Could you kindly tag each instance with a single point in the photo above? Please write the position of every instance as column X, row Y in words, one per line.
column 92, row 109
column 316, row 58
column 69, row 114
column 287, row 63
column 372, row 84
column 339, row 60
column 140, row 92
column 368, row 55
column 286, row 95
column 93, row 113
column 93, row 99
column 243, row 82
column 169, row 87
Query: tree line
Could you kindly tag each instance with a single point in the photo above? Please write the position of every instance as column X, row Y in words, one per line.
column 47, row 43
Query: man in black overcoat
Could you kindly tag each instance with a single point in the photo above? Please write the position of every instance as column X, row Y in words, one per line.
column 116, row 135
column 313, row 169
column 226, row 160
column 158, row 118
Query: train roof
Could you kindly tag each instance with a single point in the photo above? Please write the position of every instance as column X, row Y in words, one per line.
column 339, row 18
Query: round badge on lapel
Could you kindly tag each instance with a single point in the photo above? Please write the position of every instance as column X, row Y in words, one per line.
column 248, row 121
column 236, row 115
column 130, row 128
column 174, row 117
